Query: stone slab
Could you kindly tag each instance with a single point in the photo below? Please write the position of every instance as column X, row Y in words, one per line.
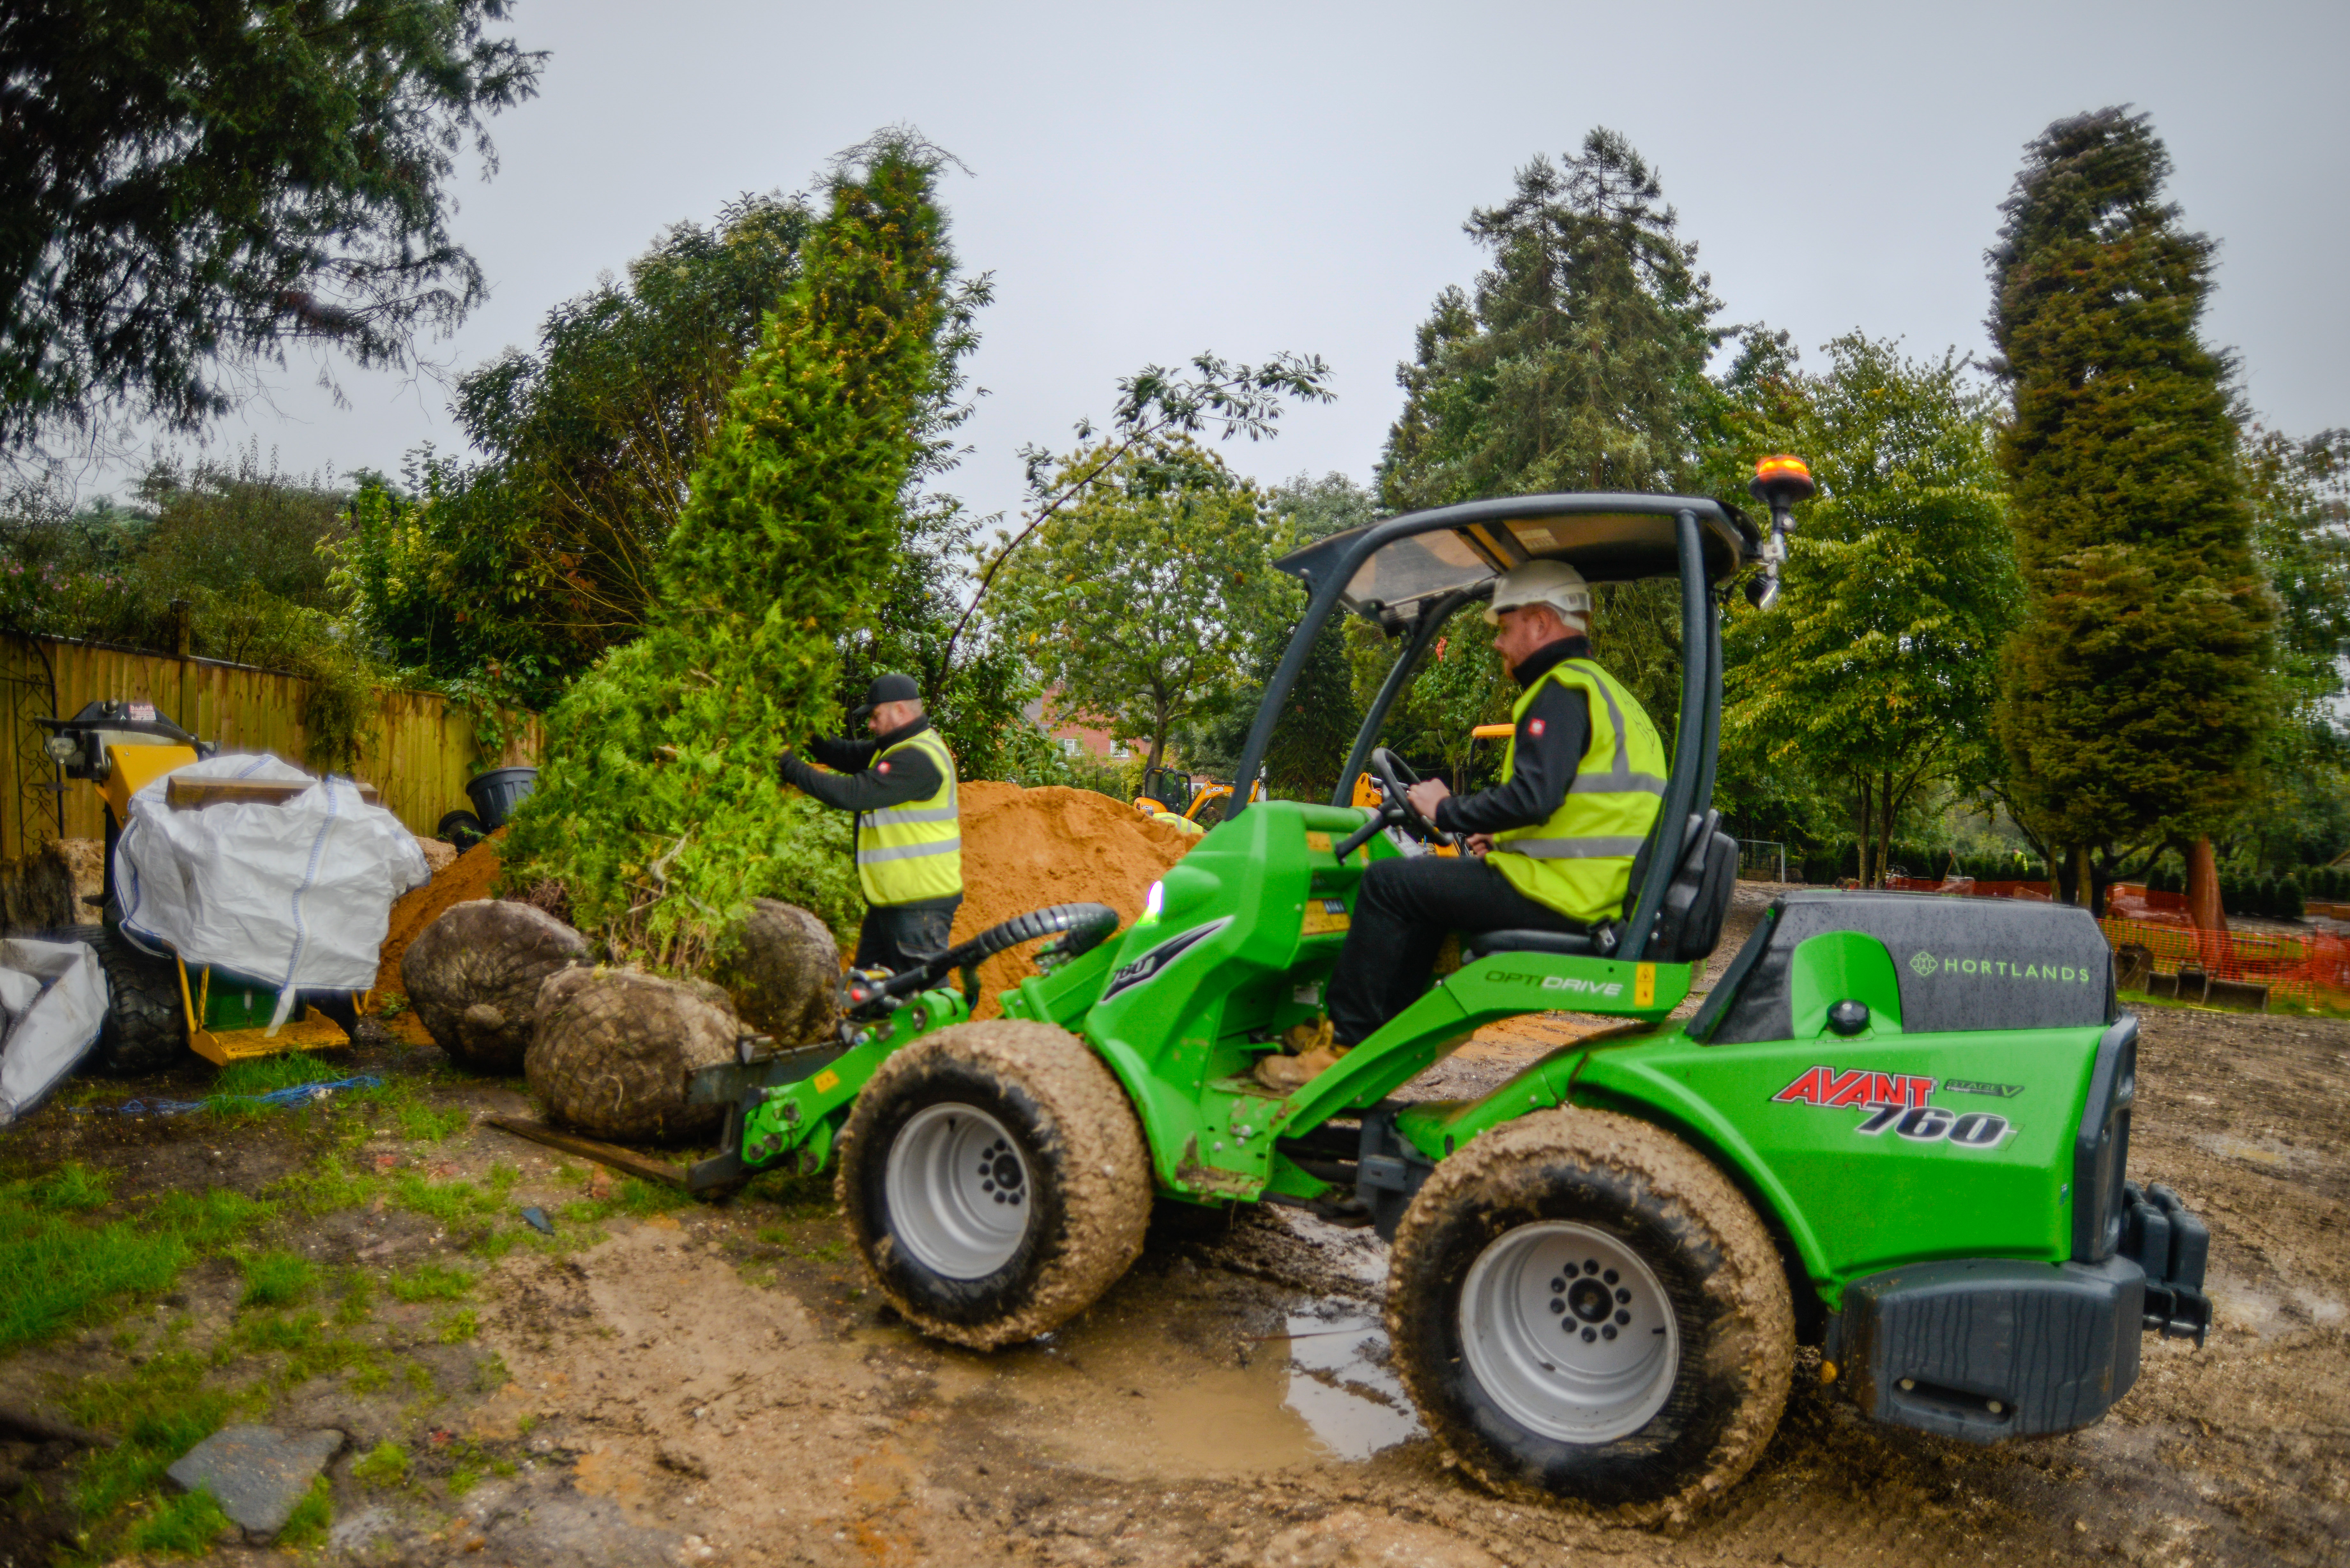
column 257, row 1474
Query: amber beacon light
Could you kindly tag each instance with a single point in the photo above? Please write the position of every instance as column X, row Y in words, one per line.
column 1779, row 482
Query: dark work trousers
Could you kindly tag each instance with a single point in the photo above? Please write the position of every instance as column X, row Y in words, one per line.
column 1403, row 911
column 897, row 936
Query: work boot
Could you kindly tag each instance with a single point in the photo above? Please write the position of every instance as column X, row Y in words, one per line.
column 1288, row 1073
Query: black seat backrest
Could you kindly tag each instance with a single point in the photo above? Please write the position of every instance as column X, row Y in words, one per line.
column 1697, row 900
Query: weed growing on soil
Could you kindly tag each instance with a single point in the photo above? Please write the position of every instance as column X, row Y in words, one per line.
column 641, row 1200
column 184, row 1526
column 277, row 1278
column 358, row 1302
column 306, row 1525
column 460, row 1326
column 430, row 1282
column 385, row 1465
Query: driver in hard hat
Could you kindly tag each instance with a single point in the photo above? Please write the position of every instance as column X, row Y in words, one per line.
column 1550, row 847
column 901, row 785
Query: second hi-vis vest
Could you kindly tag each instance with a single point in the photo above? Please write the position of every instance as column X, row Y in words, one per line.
column 1579, row 861
column 908, row 853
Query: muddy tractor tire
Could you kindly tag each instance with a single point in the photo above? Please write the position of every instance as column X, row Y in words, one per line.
column 1584, row 1308
column 146, row 1027
column 995, row 1181
column 473, row 977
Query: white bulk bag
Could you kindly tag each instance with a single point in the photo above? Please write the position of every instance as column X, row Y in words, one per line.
column 52, row 1003
column 298, row 894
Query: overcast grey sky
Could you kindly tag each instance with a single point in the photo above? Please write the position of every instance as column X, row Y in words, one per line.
column 1150, row 181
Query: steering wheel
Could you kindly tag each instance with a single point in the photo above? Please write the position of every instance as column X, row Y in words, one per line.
column 1396, row 779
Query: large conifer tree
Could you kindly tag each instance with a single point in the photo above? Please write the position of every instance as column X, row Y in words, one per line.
column 2134, row 694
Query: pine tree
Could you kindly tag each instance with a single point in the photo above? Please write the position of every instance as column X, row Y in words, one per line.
column 2134, row 694
column 1578, row 364
column 658, row 804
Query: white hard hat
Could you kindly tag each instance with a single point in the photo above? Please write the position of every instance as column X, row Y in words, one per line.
column 1552, row 583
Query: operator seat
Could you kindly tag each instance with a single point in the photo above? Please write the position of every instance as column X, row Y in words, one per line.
column 1687, row 925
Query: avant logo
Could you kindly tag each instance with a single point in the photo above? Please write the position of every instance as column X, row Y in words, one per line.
column 1925, row 963
column 1150, row 964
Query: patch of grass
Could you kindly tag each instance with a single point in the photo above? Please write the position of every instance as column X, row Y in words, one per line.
column 419, row 1379
column 425, row 1124
column 385, row 1465
column 57, row 1274
column 833, row 1250
column 463, row 1479
column 430, row 1282
column 503, row 1469
column 358, row 1302
column 491, row 1374
column 369, row 1374
column 307, row 1526
column 799, row 1196
column 267, row 1074
column 640, row 1200
column 460, row 1326
column 454, row 1202
column 184, row 1526
column 156, row 1414
column 210, row 1220
column 72, row 1189
column 277, row 1278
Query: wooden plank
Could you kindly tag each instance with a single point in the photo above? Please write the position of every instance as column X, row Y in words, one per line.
column 194, row 795
column 610, row 1154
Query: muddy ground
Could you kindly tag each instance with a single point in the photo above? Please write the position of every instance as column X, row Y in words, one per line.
column 715, row 1384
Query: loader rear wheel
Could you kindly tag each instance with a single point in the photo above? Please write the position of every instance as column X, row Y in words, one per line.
column 1583, row 1307
column 995, row 1180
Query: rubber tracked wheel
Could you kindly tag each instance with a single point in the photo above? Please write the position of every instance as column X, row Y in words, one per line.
column 146, row 1025
column 1583, row 1307
column 995, row 1180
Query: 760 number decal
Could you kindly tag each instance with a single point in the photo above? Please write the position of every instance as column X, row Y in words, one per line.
column 1894, row 1102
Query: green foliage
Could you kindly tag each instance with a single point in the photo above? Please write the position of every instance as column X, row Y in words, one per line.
column 657, row 804
column 430, row 1283
column 1579, row 363
column 1138, row 603
column 2134, row 695
column 459, row 1326
column 501, row 580
column 183, row 1526
column 189, row 191
column 308, row 1525
column 385, row 1465
column 277, row 1278
column 1874, row 672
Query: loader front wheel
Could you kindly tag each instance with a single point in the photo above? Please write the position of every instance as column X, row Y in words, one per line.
column 1583, row 1307
column 995, row 1180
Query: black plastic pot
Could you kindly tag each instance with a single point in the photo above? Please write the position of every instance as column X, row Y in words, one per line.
column 495, row 793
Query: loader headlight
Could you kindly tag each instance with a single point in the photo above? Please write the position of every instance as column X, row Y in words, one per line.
column 1153, row 901
column 62, row 749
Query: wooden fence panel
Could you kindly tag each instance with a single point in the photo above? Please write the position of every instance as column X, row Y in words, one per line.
column 417, row 749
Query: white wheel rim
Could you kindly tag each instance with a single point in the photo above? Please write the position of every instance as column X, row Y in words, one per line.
column 1568, row 1331
column 959, row 1191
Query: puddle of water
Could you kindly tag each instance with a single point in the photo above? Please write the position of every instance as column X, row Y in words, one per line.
column 1355, row 1406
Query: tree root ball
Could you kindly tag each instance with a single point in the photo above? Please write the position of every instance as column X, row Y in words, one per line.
column 613, row 1051
column 782, row 967
column 473, row 977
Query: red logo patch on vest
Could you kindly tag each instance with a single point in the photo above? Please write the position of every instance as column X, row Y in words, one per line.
column 1534, row 726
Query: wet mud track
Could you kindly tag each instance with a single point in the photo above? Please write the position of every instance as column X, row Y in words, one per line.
column 744, row 1399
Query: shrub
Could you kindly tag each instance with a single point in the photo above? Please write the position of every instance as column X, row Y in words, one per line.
column 2289, row 902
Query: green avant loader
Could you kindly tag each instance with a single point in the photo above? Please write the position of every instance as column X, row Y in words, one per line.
column 1898, row 1127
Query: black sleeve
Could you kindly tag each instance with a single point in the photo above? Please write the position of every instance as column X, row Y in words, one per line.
column 1552, row 738
column 911, row 777
column 843, row 755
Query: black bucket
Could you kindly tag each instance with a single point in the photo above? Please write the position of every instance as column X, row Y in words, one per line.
column 495, row 793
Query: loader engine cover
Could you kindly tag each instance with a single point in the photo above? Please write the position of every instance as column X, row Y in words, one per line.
column 1962, row 963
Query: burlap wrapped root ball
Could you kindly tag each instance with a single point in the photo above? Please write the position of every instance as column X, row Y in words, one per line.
column 782, row 967
column 473, row 977
column 613, row 1051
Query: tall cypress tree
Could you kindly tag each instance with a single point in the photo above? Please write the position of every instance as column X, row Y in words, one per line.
column 2134, row 695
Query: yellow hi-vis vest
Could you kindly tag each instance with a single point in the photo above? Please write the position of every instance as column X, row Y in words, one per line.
column 908, row 853
column 1579, row 861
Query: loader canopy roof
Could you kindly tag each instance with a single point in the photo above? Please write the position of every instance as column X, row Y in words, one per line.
column 1394, row 568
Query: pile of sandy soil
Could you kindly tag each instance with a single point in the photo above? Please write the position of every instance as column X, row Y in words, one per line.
column 1025, row 849
column 470, row 876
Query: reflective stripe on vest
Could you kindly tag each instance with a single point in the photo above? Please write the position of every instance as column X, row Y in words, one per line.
column 908, row 853
column 1579, row 861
